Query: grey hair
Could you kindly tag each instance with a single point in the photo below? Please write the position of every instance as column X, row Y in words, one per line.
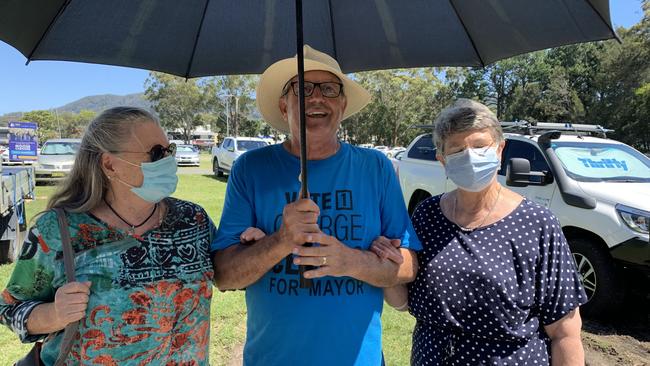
column 465, row 115
column 86, row 185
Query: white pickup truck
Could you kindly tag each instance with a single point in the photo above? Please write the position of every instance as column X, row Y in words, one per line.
column 597, row 187
column 224, row 155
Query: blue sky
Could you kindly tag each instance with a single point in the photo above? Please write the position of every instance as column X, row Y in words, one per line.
column 49, row 84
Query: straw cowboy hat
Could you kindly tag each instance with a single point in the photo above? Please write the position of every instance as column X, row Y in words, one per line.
column 269, row 89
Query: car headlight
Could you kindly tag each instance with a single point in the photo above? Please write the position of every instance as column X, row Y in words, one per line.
column 637, row 220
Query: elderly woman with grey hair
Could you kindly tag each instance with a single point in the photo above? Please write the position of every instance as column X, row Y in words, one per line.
column 141, row 257
column 497, row 283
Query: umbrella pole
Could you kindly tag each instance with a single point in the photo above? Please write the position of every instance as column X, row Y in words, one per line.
column 304, row 282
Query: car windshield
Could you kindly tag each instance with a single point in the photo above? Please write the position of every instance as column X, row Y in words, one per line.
column 60, row 148
column 185, row 148
column 245, row 145
column 597, row 162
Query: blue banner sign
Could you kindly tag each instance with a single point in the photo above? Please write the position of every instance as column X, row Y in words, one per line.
column 23, row 141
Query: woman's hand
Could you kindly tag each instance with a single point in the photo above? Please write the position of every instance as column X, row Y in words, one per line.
column 386, row 248
column 70, row 302
column 251, row 234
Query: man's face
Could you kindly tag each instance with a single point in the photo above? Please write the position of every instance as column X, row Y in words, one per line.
column 323, row 114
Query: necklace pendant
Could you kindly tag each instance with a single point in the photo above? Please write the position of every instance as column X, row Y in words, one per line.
column 130, row 231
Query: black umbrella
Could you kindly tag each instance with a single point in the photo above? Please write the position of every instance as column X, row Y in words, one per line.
column 194, row 38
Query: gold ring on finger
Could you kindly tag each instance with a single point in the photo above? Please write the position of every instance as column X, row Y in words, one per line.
column 324, row 261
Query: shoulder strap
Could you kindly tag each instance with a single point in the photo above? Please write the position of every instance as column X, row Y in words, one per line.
column 68, row 253
column 71, row 330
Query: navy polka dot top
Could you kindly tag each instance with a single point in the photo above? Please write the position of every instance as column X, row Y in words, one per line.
column 482, row 297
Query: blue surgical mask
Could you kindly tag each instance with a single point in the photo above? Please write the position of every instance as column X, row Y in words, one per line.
column 160, row 179
column 472, row 169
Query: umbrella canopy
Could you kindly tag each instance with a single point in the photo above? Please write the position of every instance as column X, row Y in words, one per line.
column 219, row 37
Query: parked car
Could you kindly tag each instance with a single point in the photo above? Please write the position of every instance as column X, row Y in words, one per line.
column 187, row 155
column 56, row 159
column 383, row 149
column 598, row 188
column 224, row 156
column 394, row 150
column 4, row 150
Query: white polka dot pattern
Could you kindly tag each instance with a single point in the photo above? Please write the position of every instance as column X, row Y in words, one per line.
column 483, row 296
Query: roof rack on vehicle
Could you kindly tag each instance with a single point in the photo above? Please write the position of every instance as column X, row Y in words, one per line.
column 531, row 127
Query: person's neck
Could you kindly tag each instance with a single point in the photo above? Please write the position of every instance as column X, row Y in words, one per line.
column 316, row 149
column 470, row 203
column 130, row 207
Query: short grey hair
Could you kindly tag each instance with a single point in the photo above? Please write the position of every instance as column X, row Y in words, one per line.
column 465, row 115
column 86, row 185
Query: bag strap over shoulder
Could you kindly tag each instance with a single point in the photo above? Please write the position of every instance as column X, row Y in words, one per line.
column 71, row 330
column 68, row 253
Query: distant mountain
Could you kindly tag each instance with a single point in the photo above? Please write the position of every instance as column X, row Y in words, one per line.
column 95, row 103
column 99, row 103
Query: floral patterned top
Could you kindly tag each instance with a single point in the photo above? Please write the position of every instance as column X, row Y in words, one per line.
column 150, row 295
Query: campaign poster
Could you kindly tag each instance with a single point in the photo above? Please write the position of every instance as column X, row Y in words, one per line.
column 23, row 141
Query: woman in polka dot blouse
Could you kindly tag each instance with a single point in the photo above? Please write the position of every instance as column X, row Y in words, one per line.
column 497, row 284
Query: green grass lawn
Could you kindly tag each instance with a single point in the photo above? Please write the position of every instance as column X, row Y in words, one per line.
column 228, row 308
column 205, row 160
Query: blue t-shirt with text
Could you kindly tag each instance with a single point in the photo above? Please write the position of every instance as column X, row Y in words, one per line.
column 337, row 320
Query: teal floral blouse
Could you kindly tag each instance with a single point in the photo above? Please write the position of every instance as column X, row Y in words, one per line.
column 150, row 295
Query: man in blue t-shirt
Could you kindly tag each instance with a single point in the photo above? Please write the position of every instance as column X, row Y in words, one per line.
column 354, row 198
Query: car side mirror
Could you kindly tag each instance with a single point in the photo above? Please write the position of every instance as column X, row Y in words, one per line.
column 518, row 174
column 231, row 149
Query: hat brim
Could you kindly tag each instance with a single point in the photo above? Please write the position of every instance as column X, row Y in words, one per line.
column 269, row 90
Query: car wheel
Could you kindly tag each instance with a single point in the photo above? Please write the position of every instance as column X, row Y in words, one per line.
column 215, row 168
column 599, row 277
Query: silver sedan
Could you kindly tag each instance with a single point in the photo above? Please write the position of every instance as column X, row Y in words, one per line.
column 187, row 155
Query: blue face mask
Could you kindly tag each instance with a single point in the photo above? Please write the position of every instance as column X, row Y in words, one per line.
column 472, row 169
column 160, row 179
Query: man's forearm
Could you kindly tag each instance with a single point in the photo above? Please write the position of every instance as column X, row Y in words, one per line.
column 241, row 265
column 368, row 267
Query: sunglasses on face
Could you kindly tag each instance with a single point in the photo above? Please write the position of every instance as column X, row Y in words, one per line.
column 329, row 89
column 157, row 152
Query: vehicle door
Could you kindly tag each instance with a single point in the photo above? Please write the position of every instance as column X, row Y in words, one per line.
column 528, row 150
column 228, row 153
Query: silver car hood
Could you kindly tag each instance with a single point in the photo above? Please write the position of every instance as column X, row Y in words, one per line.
column 56, row 159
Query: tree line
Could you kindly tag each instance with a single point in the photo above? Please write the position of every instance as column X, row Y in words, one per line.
column 605, row 83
